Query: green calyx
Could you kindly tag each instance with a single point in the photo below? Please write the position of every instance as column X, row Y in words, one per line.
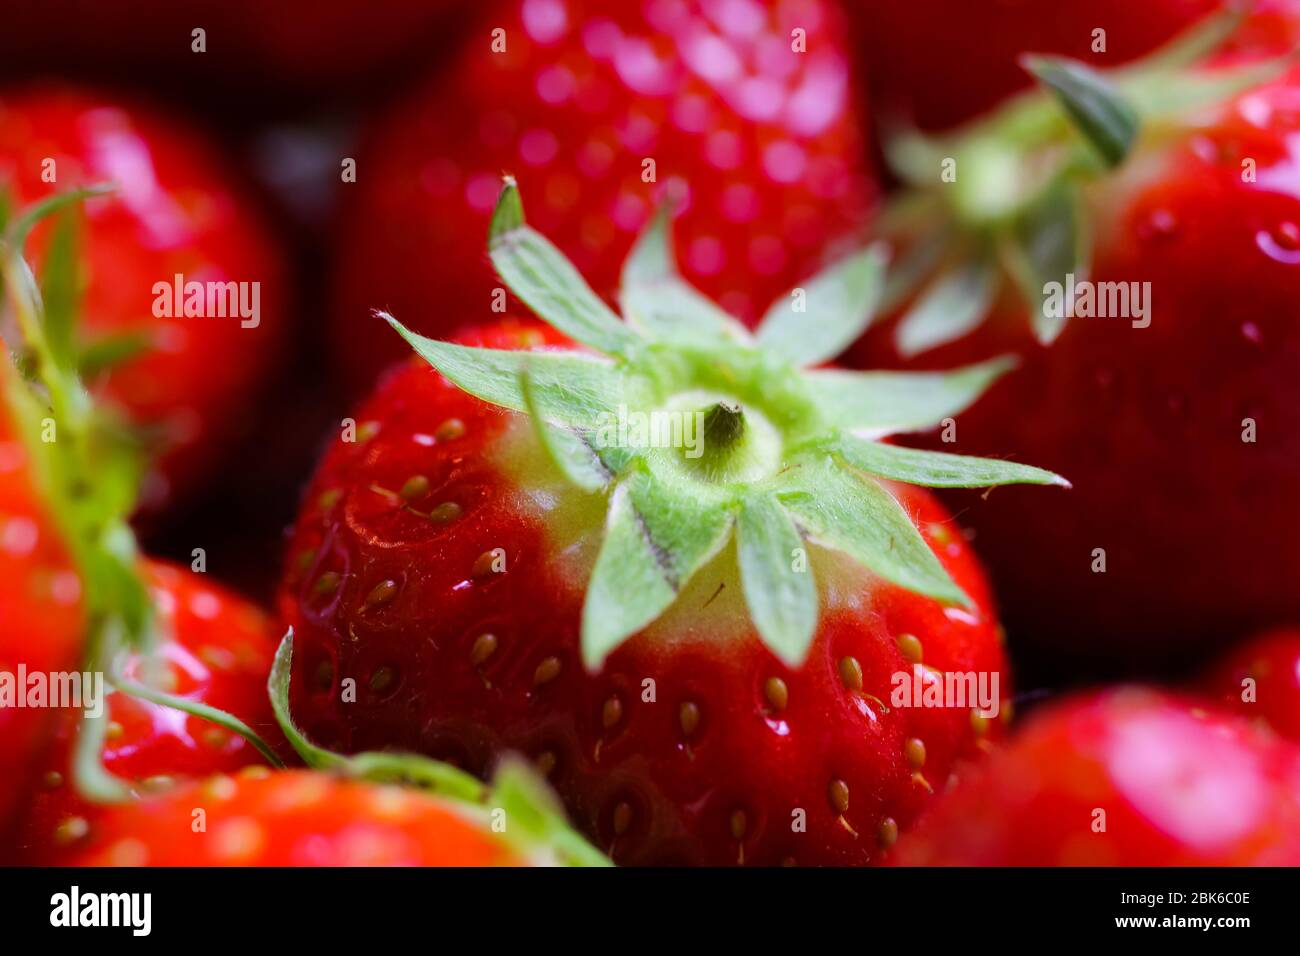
column 531, row 820
column 88, row 463
column 698, row 430
column 1003, row 199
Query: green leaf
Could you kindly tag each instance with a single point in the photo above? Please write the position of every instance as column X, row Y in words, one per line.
column 532, row 811
column 656, row 538
column 570, row 450
column 782, row 600
column 1047, row 244
column 21, row 227
column 543, row 278
column 1191, row 46
column 59, row 291
column 573, row 390
column 951, row 306
column 884, row 403
column 840, row 303
column 110, row 351
column 384, row 767
column 907, row 271
column 659, row 302
column 933, row 469
column 1098, row 109
column 855, row 515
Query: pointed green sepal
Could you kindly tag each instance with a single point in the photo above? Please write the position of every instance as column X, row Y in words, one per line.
column 933, row 469
column 887, row 403
column 853, row 514
column 659, row 302
column 573, row 390
column 949, row 308
column 572, row 453
column 1097, row 108
column 816, row 322
column 1047, row 247
column 777, row 578
column 548, row 283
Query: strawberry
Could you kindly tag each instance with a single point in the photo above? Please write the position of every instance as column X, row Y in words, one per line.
column 922, row 67
column 1260, row 678
column 304, row 818
column 217, row 653
column 699, row 649
column 1128, row 776
column 191, row 381
column 742, row 112
column 1191, row 202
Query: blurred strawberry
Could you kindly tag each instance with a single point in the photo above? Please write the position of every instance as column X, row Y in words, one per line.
column 1124, row 777
column 192, row 381
column 742, row 111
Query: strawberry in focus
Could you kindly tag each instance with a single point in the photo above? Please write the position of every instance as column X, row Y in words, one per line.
column 464, row 579
column 191, row 381
column 742, row 112
column 217, row 651
column 1123, row 777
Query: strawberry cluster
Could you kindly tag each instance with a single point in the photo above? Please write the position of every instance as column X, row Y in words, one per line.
column 652, row 393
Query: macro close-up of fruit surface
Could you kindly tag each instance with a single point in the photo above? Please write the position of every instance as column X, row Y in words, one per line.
column 657, row 434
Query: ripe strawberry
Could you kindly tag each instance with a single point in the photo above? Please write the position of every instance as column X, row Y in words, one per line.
column 175, row 210
column 713, row 698
column 1198, row 400
column 922, row 67
column 1261, row 678
column 745, row 110
column 41, row 601
column 218, row 653
column 304, row 818
column 1124, row 777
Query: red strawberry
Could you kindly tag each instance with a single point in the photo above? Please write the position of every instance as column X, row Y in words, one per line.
column 175, row 211
column 713, row 698
column 1189, row 406
column 745, row 109
column 218, row 654
column 1125, row 777
column 922, row 66
column 41, row 600
column 1261, row 678
column 302, row 818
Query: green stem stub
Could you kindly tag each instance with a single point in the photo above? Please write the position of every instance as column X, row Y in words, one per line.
column 772, row 458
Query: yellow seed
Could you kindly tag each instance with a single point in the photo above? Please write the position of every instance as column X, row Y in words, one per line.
column 547, row 671
column 484, row 565
column 914, row 750
column 450, row 430
column 52, row 780
column 71, row 830
column 114, row 731
column 612, row 712
column 777, row 694
column 327, row 584
column 445, row 513
column 979, row 724
column 688, row 716
column 838, row 792
column 381, row 594
column 851, row 673
column 382, row 679
column 417, row 486
column 367, row 431
column 910, row 646
column 485, row 646
column 328, row 499
column 888, row 832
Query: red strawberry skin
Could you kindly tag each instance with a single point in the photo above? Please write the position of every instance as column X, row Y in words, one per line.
column 1179, row 784
column 176, row 210
column 1272, row 661
column 937, row 78
column 1148, row 423
column 764, row 140
column 294, row 818
column 219, row 653
column 40, row 597
column 693, row 744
